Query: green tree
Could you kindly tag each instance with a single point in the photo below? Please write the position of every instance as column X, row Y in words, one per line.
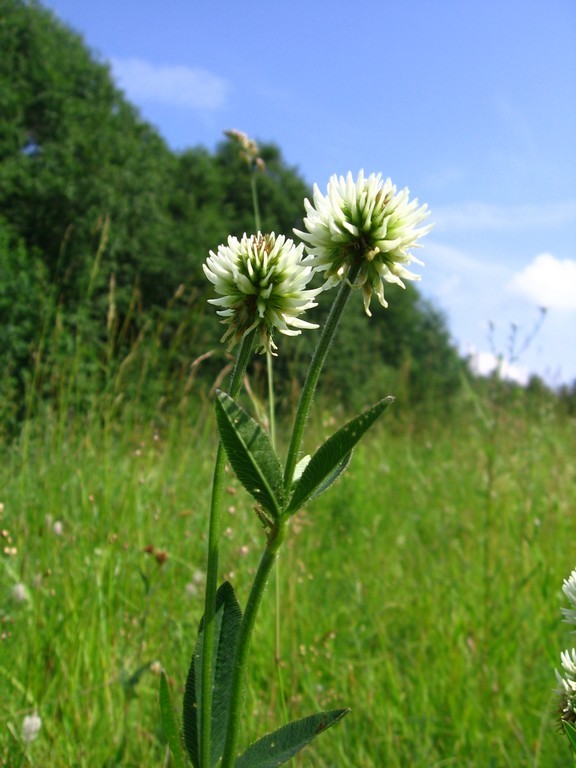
column 98, row 214
column 73, row 152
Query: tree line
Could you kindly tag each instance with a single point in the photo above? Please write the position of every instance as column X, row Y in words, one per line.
column 104, row 229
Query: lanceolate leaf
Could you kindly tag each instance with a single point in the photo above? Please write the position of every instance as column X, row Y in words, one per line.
column 278, row 747
column 251, row 454
column 331, row 477
column 226, row 627
column 169, row 727
column 570, row 731
column 333, row 456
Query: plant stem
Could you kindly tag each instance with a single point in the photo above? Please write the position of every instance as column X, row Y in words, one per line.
column 314, row 371
column 277, row 598
column 255, row 201
column 271, row 402
column 212, row 563
column 278, row 533
column 273, row 544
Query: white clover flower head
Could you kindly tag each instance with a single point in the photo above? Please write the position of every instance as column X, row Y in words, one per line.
column 567, row 681
column 20, row 592
column 567, row 677
column 569, row 589
column 364, row 221
column 262, row 283
column 31, row 727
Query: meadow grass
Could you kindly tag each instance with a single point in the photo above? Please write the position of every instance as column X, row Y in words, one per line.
column 422, row 590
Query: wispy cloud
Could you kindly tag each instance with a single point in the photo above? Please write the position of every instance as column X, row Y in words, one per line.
column 457, row 276
column 176, row 85
column 474, row 216
column 549, row 282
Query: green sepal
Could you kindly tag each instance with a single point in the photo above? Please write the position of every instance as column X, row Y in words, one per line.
column 251, row 454
column 278, row 747
column 333, row 456
column 169, row 727
column 227, row 619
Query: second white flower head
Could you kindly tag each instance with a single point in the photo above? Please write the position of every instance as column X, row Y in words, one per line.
column 365, row 221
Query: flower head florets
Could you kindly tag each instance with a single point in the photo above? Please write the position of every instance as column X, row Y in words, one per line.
column 364, row 222
column 567, row 681
column 567, row 677
column 31, row 726
column 262, row 283
column 569, row 589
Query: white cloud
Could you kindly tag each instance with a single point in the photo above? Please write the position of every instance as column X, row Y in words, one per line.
column 170, row 84
column 548, row 282
column 486, row 363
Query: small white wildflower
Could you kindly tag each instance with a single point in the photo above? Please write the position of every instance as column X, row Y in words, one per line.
column 31, row 728
column 367, row 222
column 58, row 528
column 156, row 668
column 19, row 592
column 262, row 282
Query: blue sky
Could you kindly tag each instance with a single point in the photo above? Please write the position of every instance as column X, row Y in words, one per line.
column 469, row 103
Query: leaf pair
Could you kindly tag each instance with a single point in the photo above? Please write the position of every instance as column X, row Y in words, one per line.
column 258, row 468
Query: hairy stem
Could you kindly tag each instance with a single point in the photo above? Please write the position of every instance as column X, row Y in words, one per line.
column 314, row 370
column 273, row 544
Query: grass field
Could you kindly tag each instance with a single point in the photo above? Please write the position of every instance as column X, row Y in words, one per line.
column 422, row 590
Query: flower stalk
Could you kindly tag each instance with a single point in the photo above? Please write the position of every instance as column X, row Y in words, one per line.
column 278, row 533
column 311, row 382
column 214, row 532
column 274, row 542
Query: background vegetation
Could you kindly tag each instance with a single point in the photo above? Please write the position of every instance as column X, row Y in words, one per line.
column 423, row 591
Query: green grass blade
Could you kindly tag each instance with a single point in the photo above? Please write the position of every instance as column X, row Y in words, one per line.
column 332, row 458
column 278, row 747
column 169, row 727
column 251, row 454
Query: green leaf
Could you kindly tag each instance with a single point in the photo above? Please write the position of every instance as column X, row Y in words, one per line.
column 570, row 731
column 330, row 478
column 279, row 746
column 251, row 454
column 227, row 620
column 169, row 727
column 332, row 458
